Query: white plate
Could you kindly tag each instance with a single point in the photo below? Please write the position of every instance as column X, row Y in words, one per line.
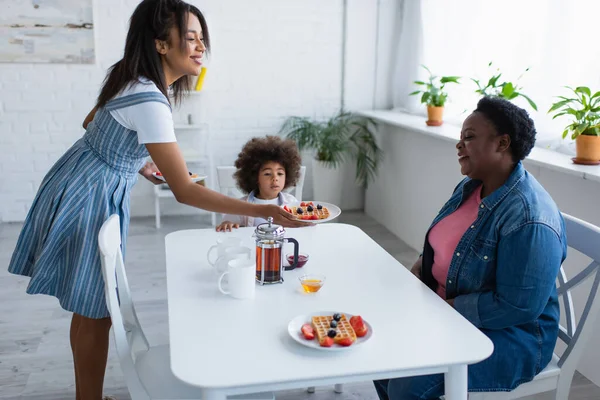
column 334, row 211
column 162, row 178
column 295, row 325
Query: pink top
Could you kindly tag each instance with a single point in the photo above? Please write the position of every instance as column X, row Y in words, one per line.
column 446, row 234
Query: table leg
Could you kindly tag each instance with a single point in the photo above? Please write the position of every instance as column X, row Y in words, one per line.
column 210, row 395
column 456, row 383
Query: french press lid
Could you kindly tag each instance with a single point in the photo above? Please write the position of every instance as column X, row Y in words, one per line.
column 269, row 230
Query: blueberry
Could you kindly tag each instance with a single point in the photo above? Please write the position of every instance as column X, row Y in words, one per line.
column 333, row 324
column 309, row 208
column 319, row 207
column 300, row 211
column 337, row 316
column 190, row 173
column 331, row 333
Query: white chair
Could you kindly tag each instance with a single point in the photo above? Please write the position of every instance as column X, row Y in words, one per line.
column 557, row 376
column 146, row 369
column 228, row 185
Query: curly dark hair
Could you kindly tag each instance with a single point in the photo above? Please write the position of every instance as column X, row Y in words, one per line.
column 510, row 119
column 261, row 150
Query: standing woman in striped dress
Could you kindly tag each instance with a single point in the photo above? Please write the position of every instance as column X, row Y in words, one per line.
column 132, row 119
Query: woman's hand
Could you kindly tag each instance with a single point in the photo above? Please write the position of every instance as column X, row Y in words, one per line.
column 227, row 226
column 281, row 217
column 416, row 268
column 147, row 171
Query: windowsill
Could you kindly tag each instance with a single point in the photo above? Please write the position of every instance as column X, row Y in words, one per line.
column 549, row 159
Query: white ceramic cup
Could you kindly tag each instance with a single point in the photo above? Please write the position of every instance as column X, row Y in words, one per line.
column 231, row 253
column 223, row 243
column 240, row 278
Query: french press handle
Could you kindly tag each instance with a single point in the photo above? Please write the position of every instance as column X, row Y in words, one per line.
column 295, row 264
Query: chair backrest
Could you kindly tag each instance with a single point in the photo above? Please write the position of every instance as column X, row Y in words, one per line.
column 583, row 237
column 129, row 336
column 228, row 185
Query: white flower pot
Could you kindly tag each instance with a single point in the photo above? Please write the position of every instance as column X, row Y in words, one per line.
column 328, row 183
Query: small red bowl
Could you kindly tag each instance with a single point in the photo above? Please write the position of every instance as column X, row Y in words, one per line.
column 302, row 259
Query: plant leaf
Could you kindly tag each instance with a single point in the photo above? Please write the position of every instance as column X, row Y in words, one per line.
column 559, row 114
column 508, row 89
column 415, row 92
column 447, row 79
column 583, row 89
column 531, row 102
column 558, row 105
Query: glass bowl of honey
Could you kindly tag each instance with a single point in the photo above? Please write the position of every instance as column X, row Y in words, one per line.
column 312, row 283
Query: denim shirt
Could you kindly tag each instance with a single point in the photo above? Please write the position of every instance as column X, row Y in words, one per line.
column 503, row 273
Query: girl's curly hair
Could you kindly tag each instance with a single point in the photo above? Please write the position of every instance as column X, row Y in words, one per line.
column 260, row 150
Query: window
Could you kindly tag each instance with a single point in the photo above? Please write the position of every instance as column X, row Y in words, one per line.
column 555, row 39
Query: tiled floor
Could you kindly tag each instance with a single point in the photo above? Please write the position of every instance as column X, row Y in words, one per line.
column 35, row 357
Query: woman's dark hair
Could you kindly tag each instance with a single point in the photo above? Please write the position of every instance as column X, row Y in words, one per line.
column 259, row 151
column 151, row 20
column 510, row 119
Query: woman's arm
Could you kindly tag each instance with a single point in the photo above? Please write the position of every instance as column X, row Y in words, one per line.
column 528, row 262
column 89, row 117
column 171, row 164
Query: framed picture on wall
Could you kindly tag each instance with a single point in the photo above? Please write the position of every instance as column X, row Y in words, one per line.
column 47, row 31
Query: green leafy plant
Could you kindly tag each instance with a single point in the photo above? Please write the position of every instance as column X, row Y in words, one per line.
column 433, row 94
column 343, row 136
column 505, row 90
column 584, row 110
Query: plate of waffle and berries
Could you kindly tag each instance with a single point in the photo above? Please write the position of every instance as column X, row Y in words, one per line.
column 330, row 331
column 313, row 211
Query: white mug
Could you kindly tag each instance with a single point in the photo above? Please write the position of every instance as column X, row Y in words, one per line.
column 231, row 253
column 223, row 243
column 240, row 278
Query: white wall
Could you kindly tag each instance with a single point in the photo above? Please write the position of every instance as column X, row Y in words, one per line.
column 419, row 175
column 271, row 59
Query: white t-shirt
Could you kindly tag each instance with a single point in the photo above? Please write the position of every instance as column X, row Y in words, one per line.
column 152, row 120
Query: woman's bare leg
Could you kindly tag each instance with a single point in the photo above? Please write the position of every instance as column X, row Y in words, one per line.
column 73, row 335
column 90, row 353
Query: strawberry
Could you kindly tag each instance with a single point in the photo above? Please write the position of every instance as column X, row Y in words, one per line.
column 159, row 174
column 314, row 217
column 327, row 342
column 306, row 217
column 346, row 342
column 358, row 325
column 308, row 332
column 286, row 208
column 303, row 204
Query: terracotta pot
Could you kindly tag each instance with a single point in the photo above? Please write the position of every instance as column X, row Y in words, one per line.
column 588, row 148
column 434, row 116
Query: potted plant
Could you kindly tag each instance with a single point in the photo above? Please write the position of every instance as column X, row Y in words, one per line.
column 505, row 90
column 434, row 96
column 584, row 109
column 342, row 137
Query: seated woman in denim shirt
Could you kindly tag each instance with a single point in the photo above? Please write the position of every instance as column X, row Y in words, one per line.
column 493, row 253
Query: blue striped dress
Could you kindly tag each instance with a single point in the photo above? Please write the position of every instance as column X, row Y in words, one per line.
column 58, row 244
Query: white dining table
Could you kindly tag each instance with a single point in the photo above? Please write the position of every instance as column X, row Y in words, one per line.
column 226, row 346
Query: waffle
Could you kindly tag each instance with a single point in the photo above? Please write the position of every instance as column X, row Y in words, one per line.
column 323, row 213
column 344, row 329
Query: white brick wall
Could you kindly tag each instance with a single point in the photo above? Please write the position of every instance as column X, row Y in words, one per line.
column 271, row 59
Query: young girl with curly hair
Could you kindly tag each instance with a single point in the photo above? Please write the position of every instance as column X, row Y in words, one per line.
column 265, row 167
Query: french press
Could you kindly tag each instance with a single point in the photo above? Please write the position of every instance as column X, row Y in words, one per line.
column 270, row 238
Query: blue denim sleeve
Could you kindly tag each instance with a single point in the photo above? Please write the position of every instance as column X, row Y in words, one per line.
column 528, row 262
